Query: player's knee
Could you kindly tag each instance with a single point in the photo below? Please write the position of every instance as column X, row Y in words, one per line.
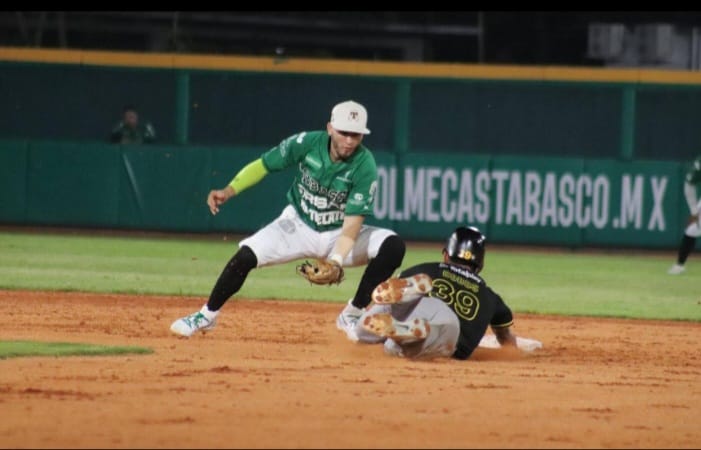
column 392, row 250
column 244, row 260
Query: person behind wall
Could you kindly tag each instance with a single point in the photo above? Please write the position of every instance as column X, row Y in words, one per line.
column 693, row 224
column 130, row 131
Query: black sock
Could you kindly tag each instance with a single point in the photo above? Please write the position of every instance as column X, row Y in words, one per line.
column 685, row 248
column 232, row 277
column 388, row 258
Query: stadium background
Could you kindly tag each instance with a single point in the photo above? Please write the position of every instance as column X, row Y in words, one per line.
column 584, row 150
column 278, row 370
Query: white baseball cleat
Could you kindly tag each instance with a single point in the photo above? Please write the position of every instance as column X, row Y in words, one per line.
column 348, row 319
column 384, row 325
column 402, row 290
column 188, row 325
column 676, row 269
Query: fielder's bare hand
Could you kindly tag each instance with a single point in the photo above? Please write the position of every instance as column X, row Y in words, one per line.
column 218, row 197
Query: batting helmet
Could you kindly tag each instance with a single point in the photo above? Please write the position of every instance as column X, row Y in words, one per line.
column 466, row 246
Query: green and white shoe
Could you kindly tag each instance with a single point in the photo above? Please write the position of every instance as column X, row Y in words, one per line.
column 188, row 325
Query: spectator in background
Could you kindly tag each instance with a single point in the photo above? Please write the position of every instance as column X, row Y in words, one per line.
column 693, row 223
column 130, row 131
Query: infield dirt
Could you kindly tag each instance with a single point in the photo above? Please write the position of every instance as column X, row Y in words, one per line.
column 280, row 375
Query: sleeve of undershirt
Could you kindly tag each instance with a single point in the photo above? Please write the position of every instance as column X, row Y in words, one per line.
column 250, row 175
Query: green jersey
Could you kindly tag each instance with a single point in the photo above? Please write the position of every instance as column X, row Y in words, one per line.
column 693, row 176
column 323, row 191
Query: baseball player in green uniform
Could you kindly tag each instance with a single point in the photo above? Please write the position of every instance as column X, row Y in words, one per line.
column 332, row 193
column 693, row 227
column 440, row 308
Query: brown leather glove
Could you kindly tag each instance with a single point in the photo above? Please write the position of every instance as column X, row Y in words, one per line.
column 321, row 271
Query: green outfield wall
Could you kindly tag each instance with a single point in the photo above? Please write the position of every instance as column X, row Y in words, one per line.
column 541, row 155
column 560, row 201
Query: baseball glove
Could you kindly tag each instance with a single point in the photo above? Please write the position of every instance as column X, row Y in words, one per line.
column 321, row 271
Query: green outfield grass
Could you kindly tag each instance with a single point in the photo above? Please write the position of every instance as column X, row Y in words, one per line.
column 568, row 282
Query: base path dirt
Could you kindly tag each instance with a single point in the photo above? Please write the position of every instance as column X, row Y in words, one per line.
column 280, row 375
